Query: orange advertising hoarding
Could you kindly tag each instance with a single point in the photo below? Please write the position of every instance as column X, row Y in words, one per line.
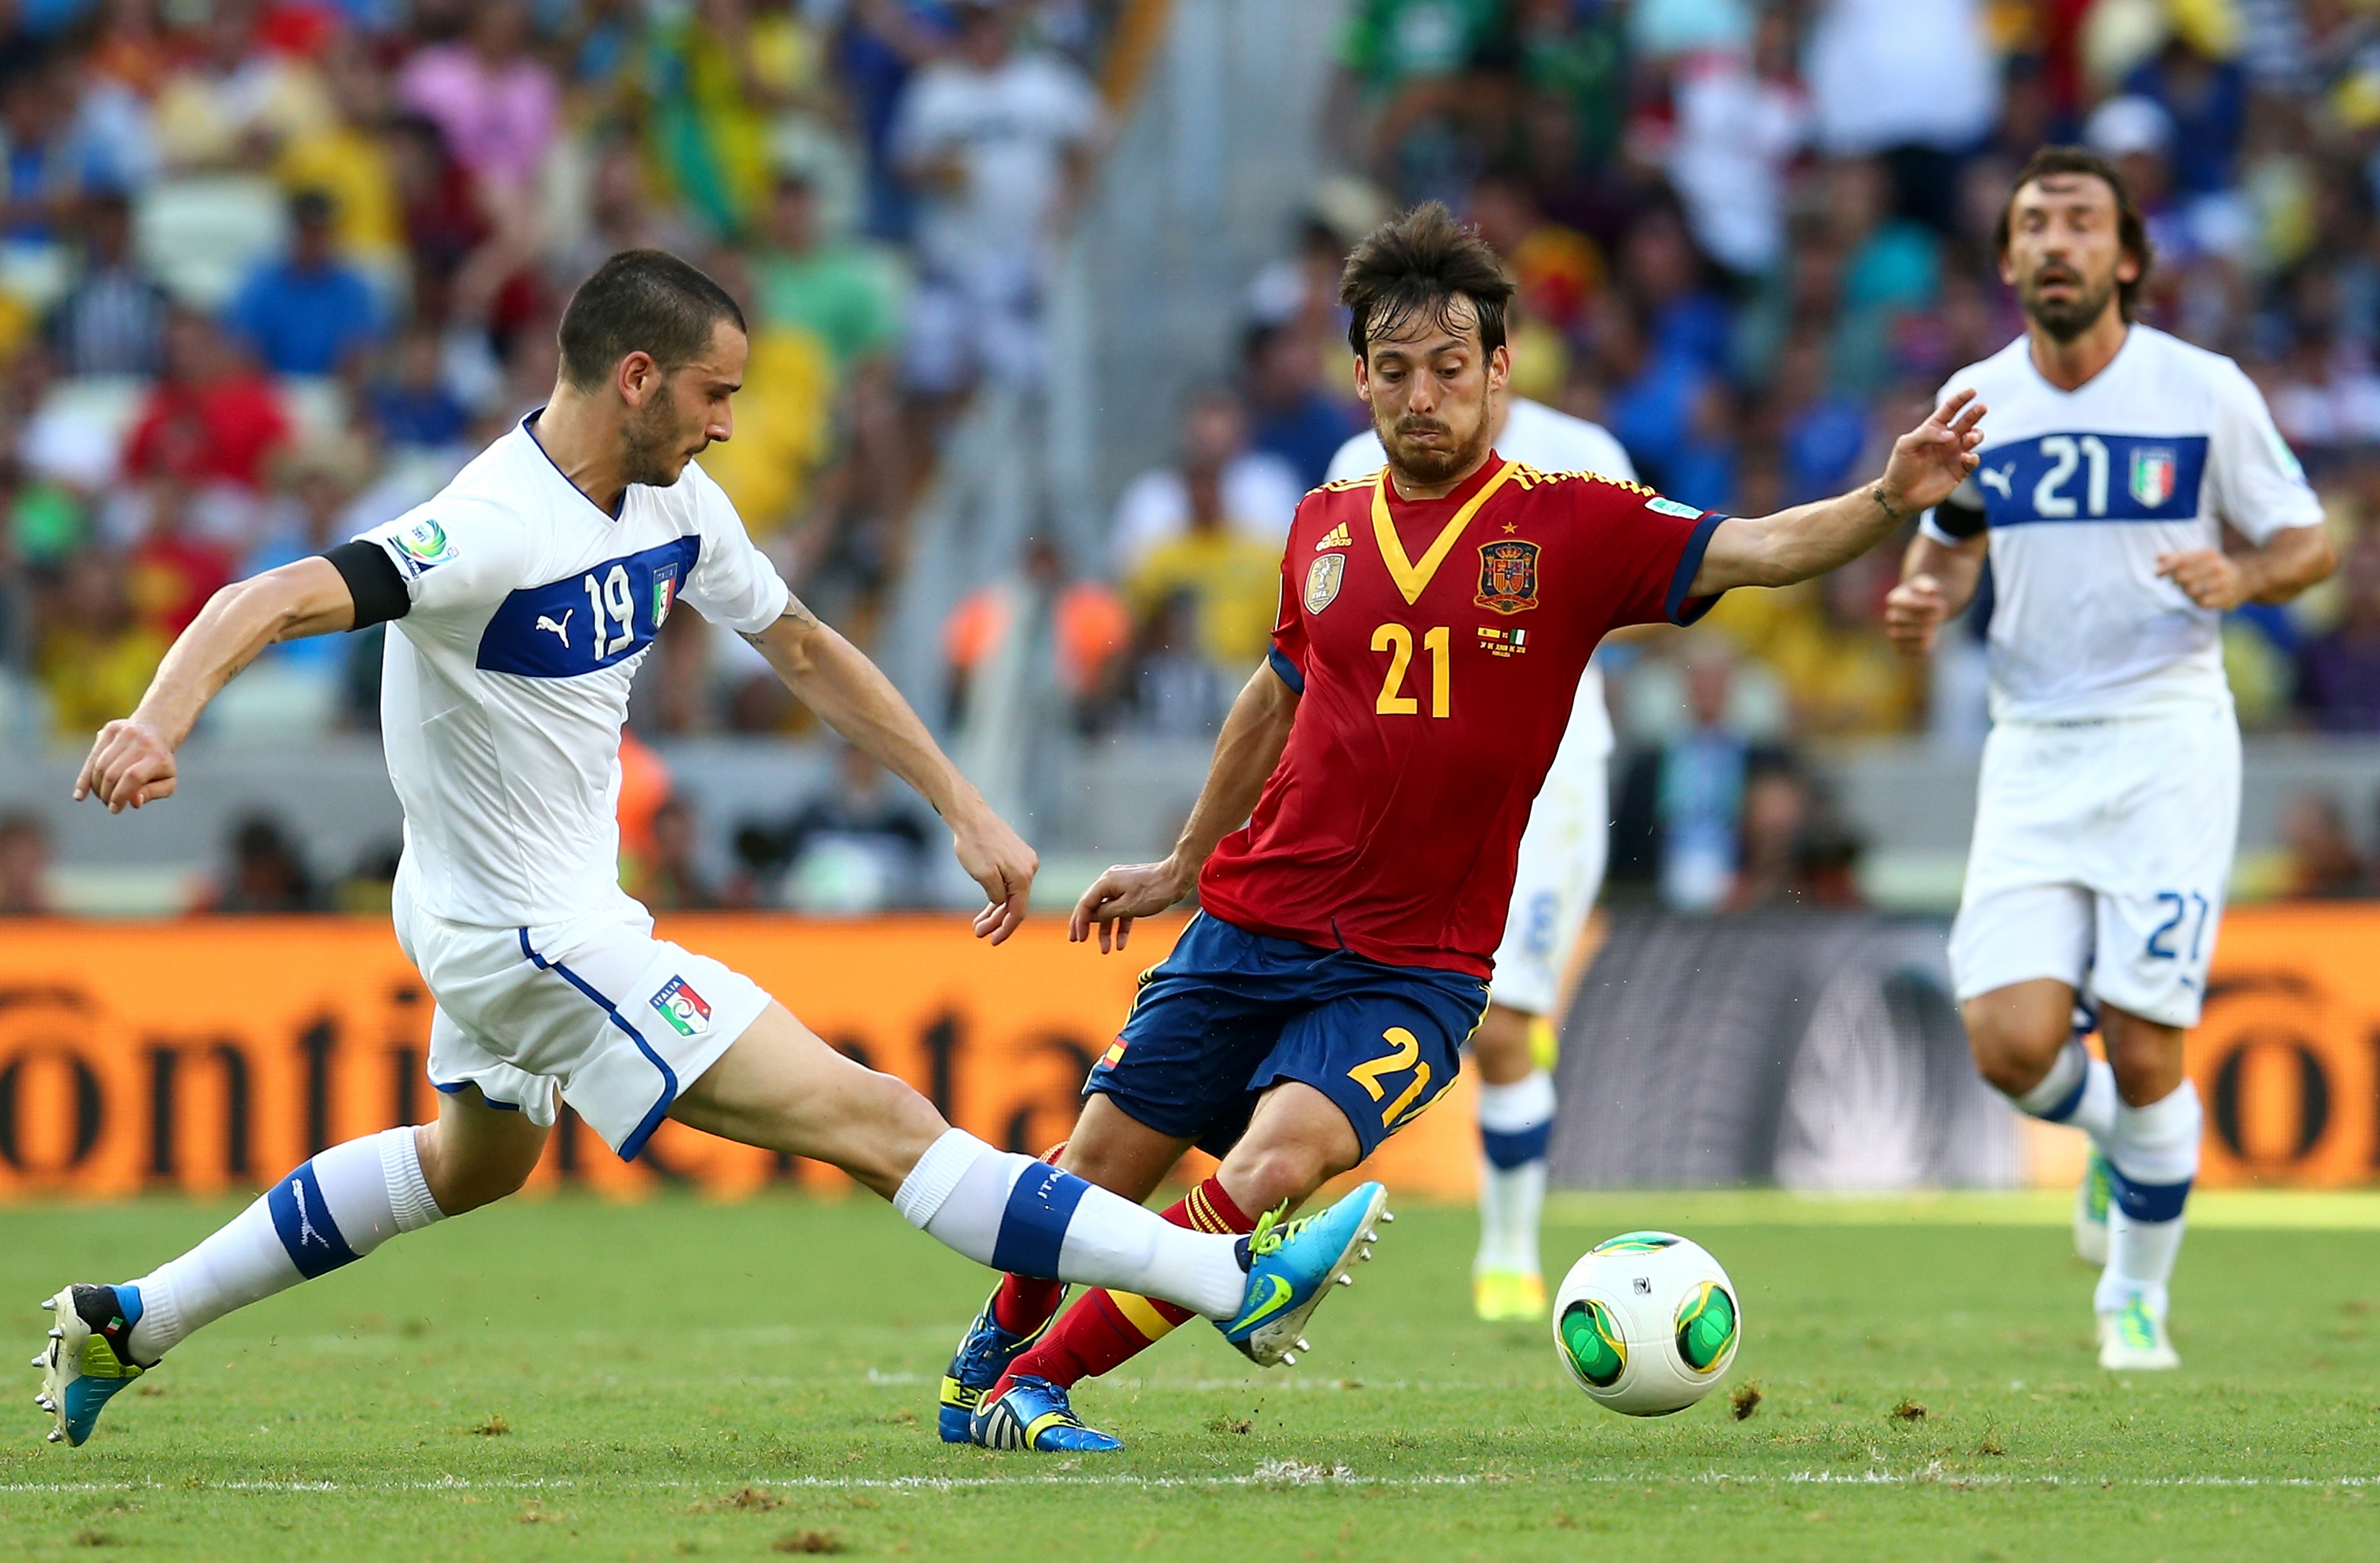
column 2287, row 1056
column 212, row 1054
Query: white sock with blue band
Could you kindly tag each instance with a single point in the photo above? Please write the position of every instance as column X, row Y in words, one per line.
column 1516, row 1122
column 1019, row 1214
column 2080, row 1090
column 2152, row 1160
column 328, row 1212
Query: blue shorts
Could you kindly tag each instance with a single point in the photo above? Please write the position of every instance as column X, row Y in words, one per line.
column 1231, row 1013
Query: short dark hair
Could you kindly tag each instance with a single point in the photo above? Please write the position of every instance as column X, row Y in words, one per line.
column 640, row 301
column 1420, row 262
column 2131, row 228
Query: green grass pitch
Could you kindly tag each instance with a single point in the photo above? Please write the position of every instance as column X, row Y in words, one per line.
column 573, row 1379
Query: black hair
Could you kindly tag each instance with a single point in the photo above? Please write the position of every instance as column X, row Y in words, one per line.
column 1419, row 263
column 2131, row 229
column 640, row 301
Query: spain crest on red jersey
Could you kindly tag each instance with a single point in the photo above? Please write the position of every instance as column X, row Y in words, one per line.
column 1507, row 576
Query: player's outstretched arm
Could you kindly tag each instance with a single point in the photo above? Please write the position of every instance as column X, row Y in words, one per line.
column 131, row 762
column 851, row 695
column 1245, row 753
column 1810, row 539
column 1938, row 579
column 2275, row 571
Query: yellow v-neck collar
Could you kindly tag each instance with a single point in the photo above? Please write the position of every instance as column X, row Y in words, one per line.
column 1413, row 578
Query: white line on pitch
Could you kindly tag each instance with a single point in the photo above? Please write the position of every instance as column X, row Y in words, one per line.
column 1283, row 1475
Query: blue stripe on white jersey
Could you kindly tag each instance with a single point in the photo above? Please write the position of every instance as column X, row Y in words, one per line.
column 601, row 615
column 2092, row 476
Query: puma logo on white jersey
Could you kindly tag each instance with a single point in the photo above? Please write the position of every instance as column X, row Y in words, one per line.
column 1997, row 478
column 561, row 630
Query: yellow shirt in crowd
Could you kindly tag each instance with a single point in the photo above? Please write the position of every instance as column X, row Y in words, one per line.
column 1236, row 579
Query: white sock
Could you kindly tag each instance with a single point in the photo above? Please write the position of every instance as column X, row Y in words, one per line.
column 2153, row 1155
column 1515, row 1122
column 2056, row 1099
column 329, row 1212
column 1016, row 1214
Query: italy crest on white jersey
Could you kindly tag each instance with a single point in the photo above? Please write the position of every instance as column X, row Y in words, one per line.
column 2082, row 490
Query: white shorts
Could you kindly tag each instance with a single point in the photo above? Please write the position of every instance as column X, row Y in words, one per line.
column 618, row 1021
column 1562, row 856
column 2100, row 857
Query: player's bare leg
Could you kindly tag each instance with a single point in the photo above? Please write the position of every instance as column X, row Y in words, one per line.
column 1297, row 1141
column 779, row 1087
column 328, row 1212
column 1117, row 1151
column 2144, row 1120
column 475, row 1154
column 1516, row 1114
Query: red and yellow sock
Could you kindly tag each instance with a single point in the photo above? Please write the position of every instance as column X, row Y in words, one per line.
column 1106, row 1329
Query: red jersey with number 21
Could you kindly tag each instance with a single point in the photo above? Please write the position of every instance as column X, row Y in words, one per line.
column 1438, row 645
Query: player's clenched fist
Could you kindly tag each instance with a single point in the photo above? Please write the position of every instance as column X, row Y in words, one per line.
column 2207, row 576
column 1914, row 612
column 128, row 766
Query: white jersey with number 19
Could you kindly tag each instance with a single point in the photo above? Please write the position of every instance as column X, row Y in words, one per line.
column 503, row 692
column 506, row 685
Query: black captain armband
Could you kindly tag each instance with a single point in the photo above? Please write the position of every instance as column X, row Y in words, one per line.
column 372, row 580
column 1961, row 516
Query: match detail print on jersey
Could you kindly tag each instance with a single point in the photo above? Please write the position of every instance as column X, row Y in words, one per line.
column 602, row 614
column 1413, row 578
column 2092, row 478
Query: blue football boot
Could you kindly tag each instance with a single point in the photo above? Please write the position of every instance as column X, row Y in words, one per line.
column 88, row 1357
column 983, row 1355
column 1033, row 1414
column 1292, row 1264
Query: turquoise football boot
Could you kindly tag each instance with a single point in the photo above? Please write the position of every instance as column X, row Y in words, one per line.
column 1292, row 1264
column 88, row 1357
column 1033, row 1414
column 983, row 1355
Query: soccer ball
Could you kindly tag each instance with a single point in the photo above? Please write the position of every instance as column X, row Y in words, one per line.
column 1647, row 1323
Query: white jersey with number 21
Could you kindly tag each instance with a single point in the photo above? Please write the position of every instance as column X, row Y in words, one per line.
column 2109, row 796
column 2082, row 490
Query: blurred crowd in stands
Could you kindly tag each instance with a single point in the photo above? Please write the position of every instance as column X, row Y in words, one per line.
column 271, row 269
column 1751, row 239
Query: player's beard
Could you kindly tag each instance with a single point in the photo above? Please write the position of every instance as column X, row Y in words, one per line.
column 652, row 445
column 2066, row 319
column 1429, row 466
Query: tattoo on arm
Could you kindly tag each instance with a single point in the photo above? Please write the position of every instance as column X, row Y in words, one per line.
column 795, row 613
